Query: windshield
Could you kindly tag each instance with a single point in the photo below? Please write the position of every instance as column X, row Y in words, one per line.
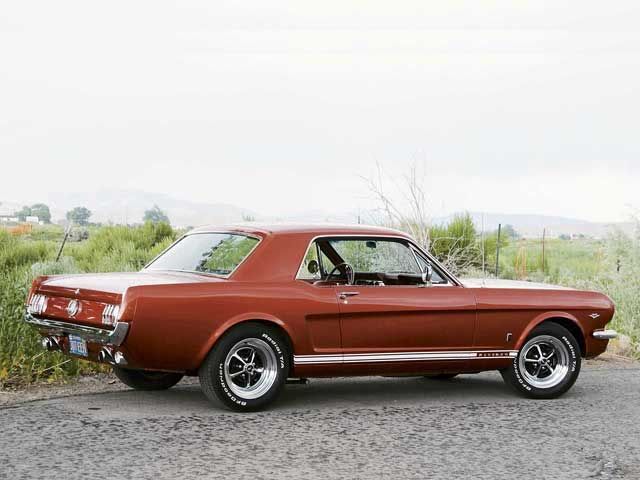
column 214, row 253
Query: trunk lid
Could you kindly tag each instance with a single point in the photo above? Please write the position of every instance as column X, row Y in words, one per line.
column 94, row 292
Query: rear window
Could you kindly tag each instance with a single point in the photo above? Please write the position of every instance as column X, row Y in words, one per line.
column 214, row 253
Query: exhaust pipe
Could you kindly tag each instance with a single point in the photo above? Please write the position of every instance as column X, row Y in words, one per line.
column 106, row 356
column 51, row 344
column 119, row 359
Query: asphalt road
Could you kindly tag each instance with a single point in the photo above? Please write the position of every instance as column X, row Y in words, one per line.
column 471, row 427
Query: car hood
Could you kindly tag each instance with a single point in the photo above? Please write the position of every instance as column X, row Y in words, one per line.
column 496, row 283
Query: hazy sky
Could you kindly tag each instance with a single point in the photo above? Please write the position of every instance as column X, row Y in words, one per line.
column 280, row 107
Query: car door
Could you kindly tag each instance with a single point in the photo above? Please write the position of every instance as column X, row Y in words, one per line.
column 399, row 318
column 385, row 316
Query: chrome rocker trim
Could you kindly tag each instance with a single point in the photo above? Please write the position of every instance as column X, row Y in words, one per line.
column 605, row 334
column 113, row 337
column 402, row 356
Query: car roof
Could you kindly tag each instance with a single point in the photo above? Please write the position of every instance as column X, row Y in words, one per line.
column 279, row 229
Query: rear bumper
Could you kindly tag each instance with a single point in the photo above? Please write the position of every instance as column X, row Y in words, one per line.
column 103, row 336
column 605, row 334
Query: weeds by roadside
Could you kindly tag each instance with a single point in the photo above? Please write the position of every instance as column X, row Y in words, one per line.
column 111, row 248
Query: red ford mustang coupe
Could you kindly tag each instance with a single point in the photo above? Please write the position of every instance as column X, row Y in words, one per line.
column 245, row 308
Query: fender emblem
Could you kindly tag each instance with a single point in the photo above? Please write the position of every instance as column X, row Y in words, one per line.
column 594, row 315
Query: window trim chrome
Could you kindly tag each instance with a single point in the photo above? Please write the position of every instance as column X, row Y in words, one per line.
column 208, row 232
column 452, row 279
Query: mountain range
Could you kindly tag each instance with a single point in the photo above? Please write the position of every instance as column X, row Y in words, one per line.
column 128, row 207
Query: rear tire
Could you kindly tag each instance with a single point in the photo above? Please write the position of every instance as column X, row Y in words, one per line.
column 247, row 368
column 147, row 380
column 547, row 365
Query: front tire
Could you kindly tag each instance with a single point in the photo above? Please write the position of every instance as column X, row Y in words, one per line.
column 147, row 380
column 547, row 365
column 247, row 368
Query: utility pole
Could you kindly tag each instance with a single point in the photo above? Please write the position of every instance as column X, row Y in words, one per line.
column 544, row 234
column 64, row 240
column 484, row 266
column 498, row 250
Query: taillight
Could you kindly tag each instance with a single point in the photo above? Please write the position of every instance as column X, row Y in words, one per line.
column 110, row 314
column 37, row 304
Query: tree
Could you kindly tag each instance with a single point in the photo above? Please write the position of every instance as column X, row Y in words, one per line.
column 509, row 232
column 455, row 245
column 155, row 215
column 41, row 211
column 79, row 215
column 411, row 212
column 23, row 213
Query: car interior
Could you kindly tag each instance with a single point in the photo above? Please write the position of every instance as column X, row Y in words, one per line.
column 367, row 261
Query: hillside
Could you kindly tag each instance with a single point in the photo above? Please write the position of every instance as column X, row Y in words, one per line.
column 128, row 206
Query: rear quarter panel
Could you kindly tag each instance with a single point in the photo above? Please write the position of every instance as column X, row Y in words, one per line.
column 175, row 326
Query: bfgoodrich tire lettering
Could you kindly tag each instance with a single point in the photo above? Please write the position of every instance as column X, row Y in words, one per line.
column 247, row 368
column 547, row 365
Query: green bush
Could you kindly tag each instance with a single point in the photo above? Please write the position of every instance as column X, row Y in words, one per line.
column 619, row 277
column 586, row 264
column 461, row 248
column 112, row 248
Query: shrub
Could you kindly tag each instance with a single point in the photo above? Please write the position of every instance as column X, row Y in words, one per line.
column 112, row 248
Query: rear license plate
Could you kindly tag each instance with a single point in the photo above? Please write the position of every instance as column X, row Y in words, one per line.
column 77, row 346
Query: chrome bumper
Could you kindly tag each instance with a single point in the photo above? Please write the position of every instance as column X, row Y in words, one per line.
column 113, row 337
column 605, row 334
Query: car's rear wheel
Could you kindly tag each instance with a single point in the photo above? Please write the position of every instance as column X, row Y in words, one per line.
column 147, row 380
column 247, row 368
column 547, row 365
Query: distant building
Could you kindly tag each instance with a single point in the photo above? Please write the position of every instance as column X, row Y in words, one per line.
column 7, row 215
column 32, row 219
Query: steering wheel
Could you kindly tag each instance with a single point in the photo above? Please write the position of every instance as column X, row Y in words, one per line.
column 351, row 275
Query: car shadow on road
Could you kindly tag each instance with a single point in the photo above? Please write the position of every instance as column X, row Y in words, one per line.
column 384, row 390
column 318, row 394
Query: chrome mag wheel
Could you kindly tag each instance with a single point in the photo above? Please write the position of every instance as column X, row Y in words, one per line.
column 544, row 361
column 250, row 368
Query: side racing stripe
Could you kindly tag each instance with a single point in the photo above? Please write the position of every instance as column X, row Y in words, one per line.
column 402, row 356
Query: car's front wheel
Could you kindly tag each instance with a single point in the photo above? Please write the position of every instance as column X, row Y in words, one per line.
column 147, row 380
column 247, row 368
column 547, row 365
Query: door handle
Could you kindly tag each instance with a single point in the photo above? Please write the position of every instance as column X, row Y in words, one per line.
column 345, row 295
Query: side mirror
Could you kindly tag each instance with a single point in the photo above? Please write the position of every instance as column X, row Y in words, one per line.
column 426, row 276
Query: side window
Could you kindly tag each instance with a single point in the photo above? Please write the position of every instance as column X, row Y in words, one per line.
column 436, row 277
column 376, row 255
column 326, row 265
column 310, row 268
column 375, row 261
